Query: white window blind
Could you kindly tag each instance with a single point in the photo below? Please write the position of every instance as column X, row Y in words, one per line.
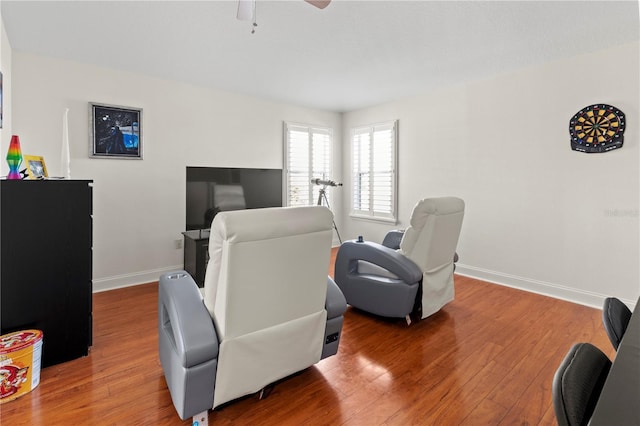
column 308, row 155
column 373, row 153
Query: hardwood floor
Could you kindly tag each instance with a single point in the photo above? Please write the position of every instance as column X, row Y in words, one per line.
column 487, row 358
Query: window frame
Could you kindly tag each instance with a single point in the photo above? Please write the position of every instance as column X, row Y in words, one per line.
column 371, row 213
column 313, row 190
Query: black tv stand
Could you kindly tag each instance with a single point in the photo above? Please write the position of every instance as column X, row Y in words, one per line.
column 196, row 253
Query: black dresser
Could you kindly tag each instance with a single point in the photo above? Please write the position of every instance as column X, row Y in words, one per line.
column 46, row 264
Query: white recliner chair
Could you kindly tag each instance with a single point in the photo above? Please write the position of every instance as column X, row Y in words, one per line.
column 268, row 309
column 414, row 276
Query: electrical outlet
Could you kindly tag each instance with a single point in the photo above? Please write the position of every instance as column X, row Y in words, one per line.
column 178, row 244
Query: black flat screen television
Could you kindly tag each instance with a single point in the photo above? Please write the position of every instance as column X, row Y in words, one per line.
column 214, row 189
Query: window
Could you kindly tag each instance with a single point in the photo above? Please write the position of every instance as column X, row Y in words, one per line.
column 308, row 156
column 373, row 154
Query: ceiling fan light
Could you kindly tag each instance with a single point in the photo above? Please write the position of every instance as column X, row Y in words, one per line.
column 246, row 10
column 320, row 4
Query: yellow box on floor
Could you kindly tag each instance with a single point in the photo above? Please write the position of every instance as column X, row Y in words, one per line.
column 20, row 355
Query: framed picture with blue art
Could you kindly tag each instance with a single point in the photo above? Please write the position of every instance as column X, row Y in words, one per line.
column 116, row 131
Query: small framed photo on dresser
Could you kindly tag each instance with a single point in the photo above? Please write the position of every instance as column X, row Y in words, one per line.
column 36, row 167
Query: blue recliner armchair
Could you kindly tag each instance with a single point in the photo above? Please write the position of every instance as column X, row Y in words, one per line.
column 267, row 310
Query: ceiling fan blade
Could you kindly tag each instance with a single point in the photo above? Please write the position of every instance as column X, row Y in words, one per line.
column 246, row 10
column 320, row 4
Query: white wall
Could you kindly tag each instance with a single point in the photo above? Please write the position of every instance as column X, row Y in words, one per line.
column 539, row 216
column 5, row 67
column 139, row 206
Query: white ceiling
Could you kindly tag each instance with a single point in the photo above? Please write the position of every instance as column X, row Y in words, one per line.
column 351, row 55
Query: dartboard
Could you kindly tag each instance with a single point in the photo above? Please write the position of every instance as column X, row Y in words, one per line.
column 597, row 128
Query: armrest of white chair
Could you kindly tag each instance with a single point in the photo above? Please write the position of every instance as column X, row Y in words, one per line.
column 336, row 304
column 187, row 343
column 186, row 320
column 393, row 238
column 377, row 279
column 350, row 252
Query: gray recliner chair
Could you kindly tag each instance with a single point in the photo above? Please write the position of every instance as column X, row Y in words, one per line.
column 415, row 278
column 268, row 309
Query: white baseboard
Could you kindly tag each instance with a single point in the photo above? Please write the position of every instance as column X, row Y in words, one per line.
column 128, row 280
column 556, row 291
column 574, row 295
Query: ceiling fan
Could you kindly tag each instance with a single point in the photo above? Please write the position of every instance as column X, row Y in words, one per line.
column 247, row 8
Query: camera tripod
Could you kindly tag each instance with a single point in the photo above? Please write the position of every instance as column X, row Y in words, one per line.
column 323, row 196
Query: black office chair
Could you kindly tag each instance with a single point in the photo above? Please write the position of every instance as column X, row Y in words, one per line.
column 577, row 384
column 615, row 316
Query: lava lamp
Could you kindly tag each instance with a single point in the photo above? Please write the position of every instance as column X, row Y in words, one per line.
column 14, row 158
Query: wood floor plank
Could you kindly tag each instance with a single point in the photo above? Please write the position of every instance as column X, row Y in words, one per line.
column 487, row 358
